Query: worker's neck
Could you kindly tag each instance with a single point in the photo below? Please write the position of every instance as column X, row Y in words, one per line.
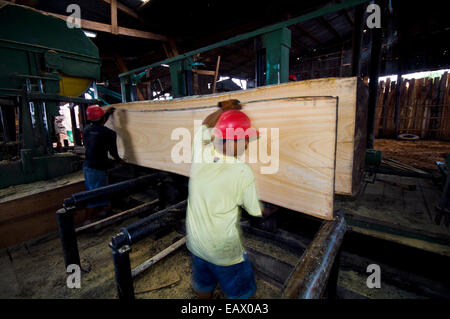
column 223, row 151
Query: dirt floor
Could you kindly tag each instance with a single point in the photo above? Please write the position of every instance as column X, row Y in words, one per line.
column 410, row 211
column 420, row 154
column 37, row 270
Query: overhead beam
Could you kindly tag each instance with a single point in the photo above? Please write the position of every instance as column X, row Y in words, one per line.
column 204, row 72
column 129, row 12
column 102, row 27
column 114, row 26
column 347, row 14
column 125, row 9
column 170, row 48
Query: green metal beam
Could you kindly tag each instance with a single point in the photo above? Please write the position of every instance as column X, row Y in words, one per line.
column 277, row 44
column 274, row 27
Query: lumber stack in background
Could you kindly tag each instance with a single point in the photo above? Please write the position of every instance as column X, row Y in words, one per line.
column 352, row 117
column 305, row 175
column 424, row 108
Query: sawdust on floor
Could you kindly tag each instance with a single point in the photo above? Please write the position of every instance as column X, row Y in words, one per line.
column 421, row 154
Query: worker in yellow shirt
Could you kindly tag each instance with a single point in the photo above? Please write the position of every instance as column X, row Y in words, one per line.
column 219, row 185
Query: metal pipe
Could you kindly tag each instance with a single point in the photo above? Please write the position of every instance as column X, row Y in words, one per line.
column 357, row 40
column 309, row 278
column 66, row 229
column 108, row 191
column 150, row 262
column 122, row 270
column 148, row 225
column 444, row 202
column 118, row 217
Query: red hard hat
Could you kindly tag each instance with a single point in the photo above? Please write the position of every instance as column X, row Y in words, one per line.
column 237, row 123
column 292, row 77
column 94, row 113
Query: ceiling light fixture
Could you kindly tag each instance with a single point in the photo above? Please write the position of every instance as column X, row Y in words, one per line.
column 90, row 34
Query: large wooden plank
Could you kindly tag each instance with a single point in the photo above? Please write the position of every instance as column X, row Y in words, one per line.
column 302, row 179
column 352, row 115
column 32, row 216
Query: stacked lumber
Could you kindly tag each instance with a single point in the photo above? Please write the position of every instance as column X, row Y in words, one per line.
column 424, row 108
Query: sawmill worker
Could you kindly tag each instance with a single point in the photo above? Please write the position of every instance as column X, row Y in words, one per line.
column 219, row 185
column 98, row 141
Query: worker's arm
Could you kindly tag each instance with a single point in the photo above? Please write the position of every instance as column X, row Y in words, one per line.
column 211, row 119
column 108, row 112
column 253, row 206
column 112, row 148
column 250, row 201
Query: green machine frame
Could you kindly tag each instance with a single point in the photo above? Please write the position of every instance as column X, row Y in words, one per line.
column 275, row 39
column 35, row 49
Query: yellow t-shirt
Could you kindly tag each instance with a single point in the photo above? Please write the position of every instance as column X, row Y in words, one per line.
column 218, row 186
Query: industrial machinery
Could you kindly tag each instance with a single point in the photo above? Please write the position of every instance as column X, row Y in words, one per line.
column 43, row 63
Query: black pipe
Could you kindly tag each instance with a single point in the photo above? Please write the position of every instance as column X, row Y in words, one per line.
column 357, row 40
column 445, row 200
column 260, row 52
column 120, row 245
column 309, row 278
column 122, row 270
column 106, row 192
column 66, row 229
column 148, row 225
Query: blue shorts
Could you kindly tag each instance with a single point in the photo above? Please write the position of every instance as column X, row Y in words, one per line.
column 236, row 281
column 95, row 178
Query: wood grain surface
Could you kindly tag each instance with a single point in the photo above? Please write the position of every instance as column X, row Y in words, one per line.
column 302, row 179
column 352, row 95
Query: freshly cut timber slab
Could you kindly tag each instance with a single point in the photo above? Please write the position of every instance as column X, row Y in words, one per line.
column 352, row 117
column 296, row 172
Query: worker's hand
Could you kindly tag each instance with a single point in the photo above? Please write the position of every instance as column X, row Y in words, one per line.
column 232, row 104
column 268, row 209
column 110, row 110
column 211, row 119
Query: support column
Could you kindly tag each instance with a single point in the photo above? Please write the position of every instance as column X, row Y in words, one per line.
column 122, row 267
column 374, row 72
column 277, row 44
column 260, row 52
column 181, row 77
column 357, row 40
column 75, row 131
column 125, row 89
column 68, row 236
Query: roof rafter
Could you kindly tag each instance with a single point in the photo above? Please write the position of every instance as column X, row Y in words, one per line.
column 324, row 22
column 307, row 33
